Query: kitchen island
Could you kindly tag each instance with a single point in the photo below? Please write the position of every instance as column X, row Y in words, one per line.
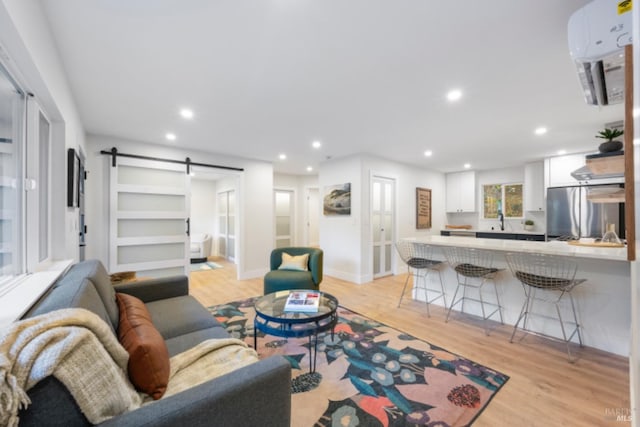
column 602, row 302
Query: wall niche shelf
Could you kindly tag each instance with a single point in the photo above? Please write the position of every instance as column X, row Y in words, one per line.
column 617, row 196
column 607, row 163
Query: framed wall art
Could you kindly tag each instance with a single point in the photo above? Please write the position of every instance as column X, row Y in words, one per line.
column 423, row 208
column 337, row 199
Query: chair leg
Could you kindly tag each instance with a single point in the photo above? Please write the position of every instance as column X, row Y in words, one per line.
column 575, row 331
column 405, row 285
column 523, row 314
column 426, row 291
column 531, row 297
column 444, row 297
column 484, row 315
column 453, row 302
column 464, row 293
column 575, row 318
column 495, row 289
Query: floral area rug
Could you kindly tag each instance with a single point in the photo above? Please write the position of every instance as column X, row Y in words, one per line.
column 369, row 374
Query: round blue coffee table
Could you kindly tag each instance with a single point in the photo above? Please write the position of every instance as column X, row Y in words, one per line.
column 272, row 319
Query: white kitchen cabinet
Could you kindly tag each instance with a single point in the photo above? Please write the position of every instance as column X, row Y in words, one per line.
column 534, row 187
column 559, row 169
column 461, row 192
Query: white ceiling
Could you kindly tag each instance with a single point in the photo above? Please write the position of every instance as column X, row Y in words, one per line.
column 266, row 77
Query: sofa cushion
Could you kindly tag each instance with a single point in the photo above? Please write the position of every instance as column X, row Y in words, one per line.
column 148, row 355
column 72, row 294
column 184, row 342
column 180, row 315
column 95, row 271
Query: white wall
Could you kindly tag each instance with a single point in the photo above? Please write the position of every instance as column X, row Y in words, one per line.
column 27, row 40
column 340, row 235
column 255, row 201
column 407, row 179
column 347, row 241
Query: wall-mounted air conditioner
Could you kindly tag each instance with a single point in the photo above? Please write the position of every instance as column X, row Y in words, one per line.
column 598, row 33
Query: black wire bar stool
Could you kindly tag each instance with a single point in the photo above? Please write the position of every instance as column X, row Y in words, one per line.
column 474, row 269
column 548, row 279
column 419, row 259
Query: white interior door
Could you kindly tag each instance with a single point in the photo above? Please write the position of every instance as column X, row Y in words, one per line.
column 313, row 217
column 149, row 217
column 284, row 218
column 227, row 224
column 382, row 220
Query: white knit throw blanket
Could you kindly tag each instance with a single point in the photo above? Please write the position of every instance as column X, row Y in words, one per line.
column 79, row 349
column 208, row 360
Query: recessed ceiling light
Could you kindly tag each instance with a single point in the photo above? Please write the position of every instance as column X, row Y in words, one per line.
column 316, row 144
column 282, row 156
column 467, row 165
column 562, row 152
column 541, row 130
column 428, row 153
column 170, row 136
column 454, row 95
column 309, row 168
column 186, row 113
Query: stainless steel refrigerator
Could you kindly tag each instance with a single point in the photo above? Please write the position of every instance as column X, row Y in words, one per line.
column 570, row 215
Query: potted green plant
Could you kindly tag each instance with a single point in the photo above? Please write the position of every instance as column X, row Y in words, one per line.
column 528, row 224
column 610, row 145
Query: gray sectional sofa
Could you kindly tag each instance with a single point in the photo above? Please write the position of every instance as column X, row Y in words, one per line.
column 258, row 394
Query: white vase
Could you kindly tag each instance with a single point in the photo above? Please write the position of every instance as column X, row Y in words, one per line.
column 528, row 227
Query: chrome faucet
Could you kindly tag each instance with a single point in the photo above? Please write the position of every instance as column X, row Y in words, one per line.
column 501, row 219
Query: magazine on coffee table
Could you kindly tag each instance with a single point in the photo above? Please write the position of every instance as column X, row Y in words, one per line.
column 303, row 301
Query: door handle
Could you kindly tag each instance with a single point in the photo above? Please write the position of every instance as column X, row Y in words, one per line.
column 188, row 226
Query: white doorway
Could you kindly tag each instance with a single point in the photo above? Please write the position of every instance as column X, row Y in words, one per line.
column 382, row 224
column 216, row 211
column 284, row 209
column 313, row 217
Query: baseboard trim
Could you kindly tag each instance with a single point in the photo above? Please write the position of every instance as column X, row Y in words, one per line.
column 252, row 274
column 349, row 277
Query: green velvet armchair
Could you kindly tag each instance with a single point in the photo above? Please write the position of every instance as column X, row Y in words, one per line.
column 279, row 280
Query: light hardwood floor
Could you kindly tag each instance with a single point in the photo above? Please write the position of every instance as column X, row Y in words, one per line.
column 544, row 388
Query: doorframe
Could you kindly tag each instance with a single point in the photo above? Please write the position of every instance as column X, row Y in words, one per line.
column 307, row 189
column 294, row 213
column 394, row 226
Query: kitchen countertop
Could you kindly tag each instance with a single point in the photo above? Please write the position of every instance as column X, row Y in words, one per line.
column 602, row 300
column 476, row 230
column 549, row 248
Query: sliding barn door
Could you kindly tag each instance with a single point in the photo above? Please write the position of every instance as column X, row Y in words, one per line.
column 149, row 217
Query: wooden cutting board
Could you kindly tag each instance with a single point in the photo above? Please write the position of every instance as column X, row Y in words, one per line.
column 459, row 227
column 597, row 244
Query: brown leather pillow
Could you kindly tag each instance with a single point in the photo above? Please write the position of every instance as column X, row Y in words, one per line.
column 148, row 355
